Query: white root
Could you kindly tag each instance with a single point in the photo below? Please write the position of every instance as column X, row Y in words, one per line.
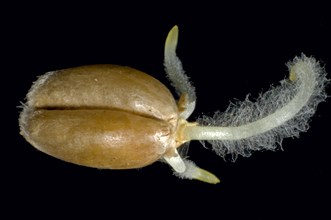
column 283, row 111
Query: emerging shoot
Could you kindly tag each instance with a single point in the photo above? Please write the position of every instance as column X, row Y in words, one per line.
column 283, row 111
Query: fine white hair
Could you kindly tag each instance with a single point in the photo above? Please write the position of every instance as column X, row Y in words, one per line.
column 281, row 112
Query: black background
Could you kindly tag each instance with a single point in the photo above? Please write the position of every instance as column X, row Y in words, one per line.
column 228, row 50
